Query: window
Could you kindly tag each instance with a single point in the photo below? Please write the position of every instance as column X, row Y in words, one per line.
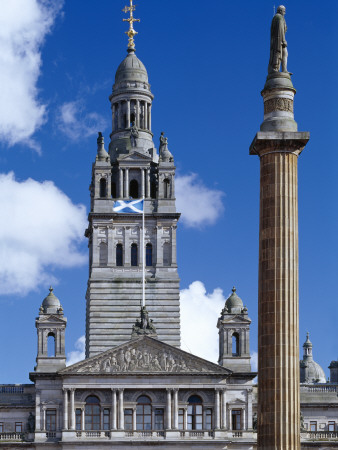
column 119, row 255
column 92, row 413
column 149, row 255
column 51, row 345
column 78, row 419
column 166, row 188
column 132, row 118
column 113, row 189
column 181, row 419
column 159, row 419
column 106, row 419
column 128, row 419
column 313, row 426
column 332, row 426
column 133, row 189
column 51, row 419
column 133, row 255
column 236, row 416
column 103, row 188
column 143, row 413
column 208, row 419
column 1, row 427
column 166, row 254
column 195, row 413
column 103, row 254
column 18, row 427
column 235, row 344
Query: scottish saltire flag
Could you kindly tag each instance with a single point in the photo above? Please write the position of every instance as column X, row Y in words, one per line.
column 128, row 206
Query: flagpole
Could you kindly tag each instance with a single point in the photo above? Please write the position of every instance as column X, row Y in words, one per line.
column 143, row 260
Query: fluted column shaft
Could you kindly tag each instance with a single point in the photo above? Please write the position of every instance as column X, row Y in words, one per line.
column 278, row 387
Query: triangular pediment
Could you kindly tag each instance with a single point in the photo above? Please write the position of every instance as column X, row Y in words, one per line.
column 51, row 318
column 135, row 156
column 238, row 318
column 145, row 355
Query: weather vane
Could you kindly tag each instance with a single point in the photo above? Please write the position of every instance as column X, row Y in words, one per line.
column 131, row 32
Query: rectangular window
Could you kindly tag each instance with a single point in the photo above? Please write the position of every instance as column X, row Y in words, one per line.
column 106, row 419
column 159, row 419
column 128, row 419
column 332, row 426
column 1, row 427
column 181, row 419
column 313, row 426
column 51, row 419
column 208, row 419
column 78, row 419
column 18, row 427
column 236, row 419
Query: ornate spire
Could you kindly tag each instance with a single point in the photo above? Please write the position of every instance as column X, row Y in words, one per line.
column 131, row 32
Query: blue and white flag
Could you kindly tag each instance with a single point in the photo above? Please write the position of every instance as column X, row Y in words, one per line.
column 128, row 206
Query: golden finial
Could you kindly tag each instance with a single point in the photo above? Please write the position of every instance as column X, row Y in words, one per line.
column 131, row 32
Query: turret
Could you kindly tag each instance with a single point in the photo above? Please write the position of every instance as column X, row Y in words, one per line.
column 310, row 371
column 234, row 335
column 51, row 327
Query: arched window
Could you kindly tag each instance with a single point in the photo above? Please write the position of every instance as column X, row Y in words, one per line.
column 166, row 254
column 132, row 118
column 153, row 189
column 195, row 413
column 92, row 413
column 133, row 255
column 235, row 344
column 149, row 255
column 166, row 188
column 113, row 189
column 119, row 255
column 103, row 254
column 133, row 189
column 143, row 413
column 51, row 345
column 103, row 188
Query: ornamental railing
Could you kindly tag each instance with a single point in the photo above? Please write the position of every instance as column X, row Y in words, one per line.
column 320, row 435
column 11, row 436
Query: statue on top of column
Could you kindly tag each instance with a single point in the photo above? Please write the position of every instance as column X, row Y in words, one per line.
column 133, row 134
column 278, row 44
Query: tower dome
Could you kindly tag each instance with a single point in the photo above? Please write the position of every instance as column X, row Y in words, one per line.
column 51, row 304
column 310, row 371
column 234, row 303
column 131, row 69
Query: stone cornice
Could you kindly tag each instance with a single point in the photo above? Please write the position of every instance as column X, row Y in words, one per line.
column 266, row 142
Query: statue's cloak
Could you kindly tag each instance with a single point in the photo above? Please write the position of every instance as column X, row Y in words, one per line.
column 278, row 29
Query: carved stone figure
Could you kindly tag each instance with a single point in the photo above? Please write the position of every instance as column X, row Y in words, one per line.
column 31, row 423
column 134, row 135
column 278, row 44
column 165, row 155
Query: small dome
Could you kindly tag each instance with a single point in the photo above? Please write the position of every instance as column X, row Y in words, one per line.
column 315, row 374
column 131, row 68
column 51, row 303
column 234, row 304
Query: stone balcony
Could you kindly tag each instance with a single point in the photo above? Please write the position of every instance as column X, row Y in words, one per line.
column 319, row 436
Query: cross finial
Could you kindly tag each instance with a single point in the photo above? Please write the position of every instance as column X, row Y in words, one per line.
column 131, row 32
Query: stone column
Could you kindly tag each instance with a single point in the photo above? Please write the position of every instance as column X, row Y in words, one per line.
column 128, row 114
column 173, row 245
column 249, row 403
column 149, row 120
column 185, row 418
column 134, row 419
column 83, row 419
column 159, row 247
column 111, row 247
column 278, row 145
column 121, row 410
column 121, row 183
column 146, row 115
column 148, row 183
column 142, row 182
column 113, row 121
column 224, row 410
column 72, row 409
column 65, row 409
column 126, row 189
column 138, row 114
column 113, row 410
column 168, row 409
column 119, row 115
column 175, row 409
column 217, row 422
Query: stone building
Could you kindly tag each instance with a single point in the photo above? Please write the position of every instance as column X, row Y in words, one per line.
column 136, row 388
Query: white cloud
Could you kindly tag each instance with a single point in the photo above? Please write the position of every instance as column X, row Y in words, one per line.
column 198, row 204
column 254, row 361
column 78, row 354
column 23, row 27
column 75, row 123
column 199, row 314
column 40, row 229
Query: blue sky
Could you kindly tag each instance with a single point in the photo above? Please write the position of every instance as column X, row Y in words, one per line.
column 207, row 64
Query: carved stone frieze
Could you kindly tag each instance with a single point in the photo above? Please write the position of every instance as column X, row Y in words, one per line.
column 278, row 104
